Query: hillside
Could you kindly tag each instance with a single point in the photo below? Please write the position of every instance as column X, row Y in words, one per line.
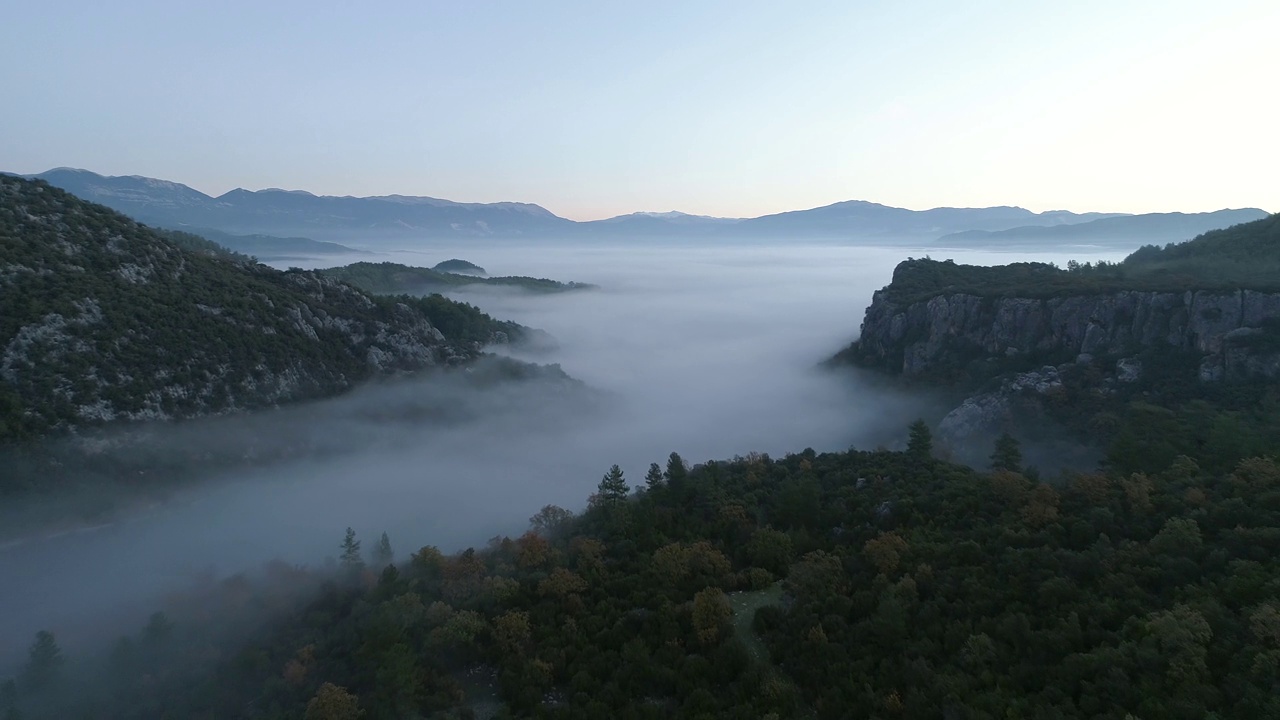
column 1144, row 228
column 297, row 213
column 270, row 247
column 1190, row 330
column 831, row 586
column 459, row 267
column 104, row 319
column 394, row 278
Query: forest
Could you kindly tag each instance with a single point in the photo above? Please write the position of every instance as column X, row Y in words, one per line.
column 868, row 584
column 1244, row 255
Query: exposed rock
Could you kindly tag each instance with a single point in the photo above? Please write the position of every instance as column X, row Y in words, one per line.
column 949, row 330
column 1128, row 370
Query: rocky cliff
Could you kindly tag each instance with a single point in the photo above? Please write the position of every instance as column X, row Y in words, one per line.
column 1230, row 331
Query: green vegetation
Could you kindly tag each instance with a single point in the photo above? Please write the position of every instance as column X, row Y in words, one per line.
column 1245, row 255
column 454, row 265
column 910, row 587
column 200, row 244
column 394, row 278
column 104, row 319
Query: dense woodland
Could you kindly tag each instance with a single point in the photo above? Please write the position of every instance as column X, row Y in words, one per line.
column 859, row 584
column 102, row 318
column 1245, row 255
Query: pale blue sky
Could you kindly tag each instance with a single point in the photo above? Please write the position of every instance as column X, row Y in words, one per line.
column 598, row 108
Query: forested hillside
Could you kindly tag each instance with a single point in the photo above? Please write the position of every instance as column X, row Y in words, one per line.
column 104, row 319
column 388, row 277
column 847, row 585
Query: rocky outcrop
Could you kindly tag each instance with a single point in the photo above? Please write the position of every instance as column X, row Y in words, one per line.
column 1230, row 330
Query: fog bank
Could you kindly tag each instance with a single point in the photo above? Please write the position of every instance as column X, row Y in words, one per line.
column 709, row 350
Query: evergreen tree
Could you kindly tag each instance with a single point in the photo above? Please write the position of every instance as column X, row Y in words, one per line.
column 44, row 661
column 1007, row 455
column 613, row 487
column 920, row 442
column 676, row 471
column 382, row 553
column 351, row 551
column 653, row 478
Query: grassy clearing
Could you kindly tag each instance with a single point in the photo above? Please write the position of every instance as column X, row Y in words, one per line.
column 745, row 605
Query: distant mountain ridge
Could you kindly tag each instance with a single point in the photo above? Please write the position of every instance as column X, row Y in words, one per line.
column 1148, row 228
column 371, row 219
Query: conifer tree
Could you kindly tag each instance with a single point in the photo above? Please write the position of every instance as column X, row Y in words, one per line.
column 613, row 487
column 920, row 442
column 351, row 551
column 1007, row 455
column 382, row 553
column 653, row 478
column 44, row 661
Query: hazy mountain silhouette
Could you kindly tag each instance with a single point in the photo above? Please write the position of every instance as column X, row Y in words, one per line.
column 1157, row 228
column 370, row 219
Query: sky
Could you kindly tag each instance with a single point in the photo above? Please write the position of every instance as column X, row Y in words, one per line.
column 596, row 109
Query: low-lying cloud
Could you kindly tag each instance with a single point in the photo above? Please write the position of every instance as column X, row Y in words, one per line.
column 707, row 350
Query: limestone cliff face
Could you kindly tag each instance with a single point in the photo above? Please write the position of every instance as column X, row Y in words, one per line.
column 1229, row 329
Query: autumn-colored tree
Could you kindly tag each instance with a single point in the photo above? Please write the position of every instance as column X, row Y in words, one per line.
column 333, row 703
column 885, row 551
column 1042, row 508
column 464, row 576
column 1257, row 474
column 561, row 583
column 532, row 551
column 711, row 615
column 300, row 665
column 1095, row 487
column 1137, row 490
column 1012, row 486
column 512, row 631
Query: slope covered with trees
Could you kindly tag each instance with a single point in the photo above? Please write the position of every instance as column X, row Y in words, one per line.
column 1244, row 255
column 104, row 319
column 874, row 585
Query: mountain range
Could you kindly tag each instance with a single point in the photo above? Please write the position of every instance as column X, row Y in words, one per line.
column 287, row 213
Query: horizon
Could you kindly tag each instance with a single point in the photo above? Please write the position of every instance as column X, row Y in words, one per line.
column 630, row 213
column 712, row 108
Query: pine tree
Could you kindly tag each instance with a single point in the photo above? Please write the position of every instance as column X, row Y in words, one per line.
column 382, row 553
column 1007, row 455
column 653, row 478
column 351, row 551
column 613, row 487
column 676, row 471
column 44, row 661
column 920, row 443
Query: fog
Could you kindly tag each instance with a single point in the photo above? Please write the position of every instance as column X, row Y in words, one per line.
column 707, row 350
